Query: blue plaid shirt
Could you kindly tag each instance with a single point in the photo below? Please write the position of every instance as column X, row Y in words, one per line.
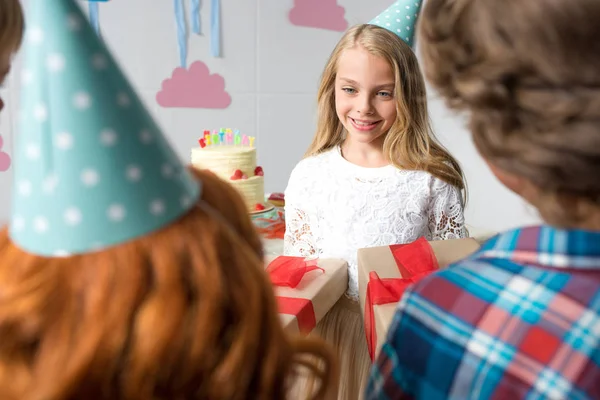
column 520, row 319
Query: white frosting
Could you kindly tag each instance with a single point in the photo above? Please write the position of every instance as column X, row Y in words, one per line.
column 223, row 160
column 251, row 189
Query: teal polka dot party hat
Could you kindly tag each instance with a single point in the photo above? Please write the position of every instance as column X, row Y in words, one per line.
column 91, row 167
column 400, row 18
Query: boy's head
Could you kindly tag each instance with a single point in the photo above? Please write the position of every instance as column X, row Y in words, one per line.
column 528, row 74
column 12, row 24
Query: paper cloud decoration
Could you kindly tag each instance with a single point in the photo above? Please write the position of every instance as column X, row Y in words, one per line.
column 4, row 158
column 194, row 88
column 324, row 14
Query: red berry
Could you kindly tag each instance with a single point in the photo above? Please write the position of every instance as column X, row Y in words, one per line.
column 277, row 196
column 258, row 171
column 237, row 174
column 259, row 207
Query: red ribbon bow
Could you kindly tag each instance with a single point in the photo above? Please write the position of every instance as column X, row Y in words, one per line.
column 288, row 272
column 414, row 261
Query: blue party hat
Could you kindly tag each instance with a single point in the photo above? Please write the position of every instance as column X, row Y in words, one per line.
column 92, row 169
column 400, row 18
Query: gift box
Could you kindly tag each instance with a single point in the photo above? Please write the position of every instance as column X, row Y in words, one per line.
column 385, row 272
column 306, row 289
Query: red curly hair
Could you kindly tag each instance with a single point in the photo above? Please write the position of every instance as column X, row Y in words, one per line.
column 186, row 312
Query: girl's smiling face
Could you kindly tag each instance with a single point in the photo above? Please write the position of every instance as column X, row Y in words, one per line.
column 365, row 101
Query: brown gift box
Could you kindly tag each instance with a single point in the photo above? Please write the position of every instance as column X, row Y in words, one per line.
column 302, row 307
column 381, row 260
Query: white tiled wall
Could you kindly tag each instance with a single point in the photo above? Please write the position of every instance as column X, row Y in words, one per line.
column 271, row 70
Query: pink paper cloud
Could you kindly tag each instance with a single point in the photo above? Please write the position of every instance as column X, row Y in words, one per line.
column 194, row 88
column 325, row 14
column 4, row 158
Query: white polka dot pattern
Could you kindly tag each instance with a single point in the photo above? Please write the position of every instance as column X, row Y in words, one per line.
column 400, row 18
column 92, row 168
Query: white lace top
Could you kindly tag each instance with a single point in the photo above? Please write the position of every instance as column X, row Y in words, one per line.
column 334, row 207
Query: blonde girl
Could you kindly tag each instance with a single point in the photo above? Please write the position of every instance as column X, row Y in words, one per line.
column 373, row 175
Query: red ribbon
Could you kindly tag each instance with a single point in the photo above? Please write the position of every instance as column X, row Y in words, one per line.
column 414, row 258
column 303, row 310
column 414, row 261
column 289, row 271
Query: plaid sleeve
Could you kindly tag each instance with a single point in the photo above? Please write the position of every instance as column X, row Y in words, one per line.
column 387, row 380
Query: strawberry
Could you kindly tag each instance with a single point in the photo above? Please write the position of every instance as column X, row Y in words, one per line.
column 259, row 207
column 237, row 174
column 258, row 171
column 277, row 196
column 244, row 176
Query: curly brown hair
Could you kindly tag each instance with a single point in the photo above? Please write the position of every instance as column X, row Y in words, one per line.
column 186, row 312
column 528, row 74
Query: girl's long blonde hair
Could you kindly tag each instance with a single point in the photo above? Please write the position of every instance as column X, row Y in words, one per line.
column 410, row 143
column 186, row 312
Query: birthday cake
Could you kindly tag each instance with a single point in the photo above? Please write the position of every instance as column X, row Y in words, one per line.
column 232, row 156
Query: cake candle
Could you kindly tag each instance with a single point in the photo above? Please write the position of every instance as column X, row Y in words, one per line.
column 215, row 137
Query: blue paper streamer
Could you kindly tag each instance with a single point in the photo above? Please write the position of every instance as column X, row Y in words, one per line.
column 215, row 28
column 196, row 16
column 181, row 32
column 94, row 18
